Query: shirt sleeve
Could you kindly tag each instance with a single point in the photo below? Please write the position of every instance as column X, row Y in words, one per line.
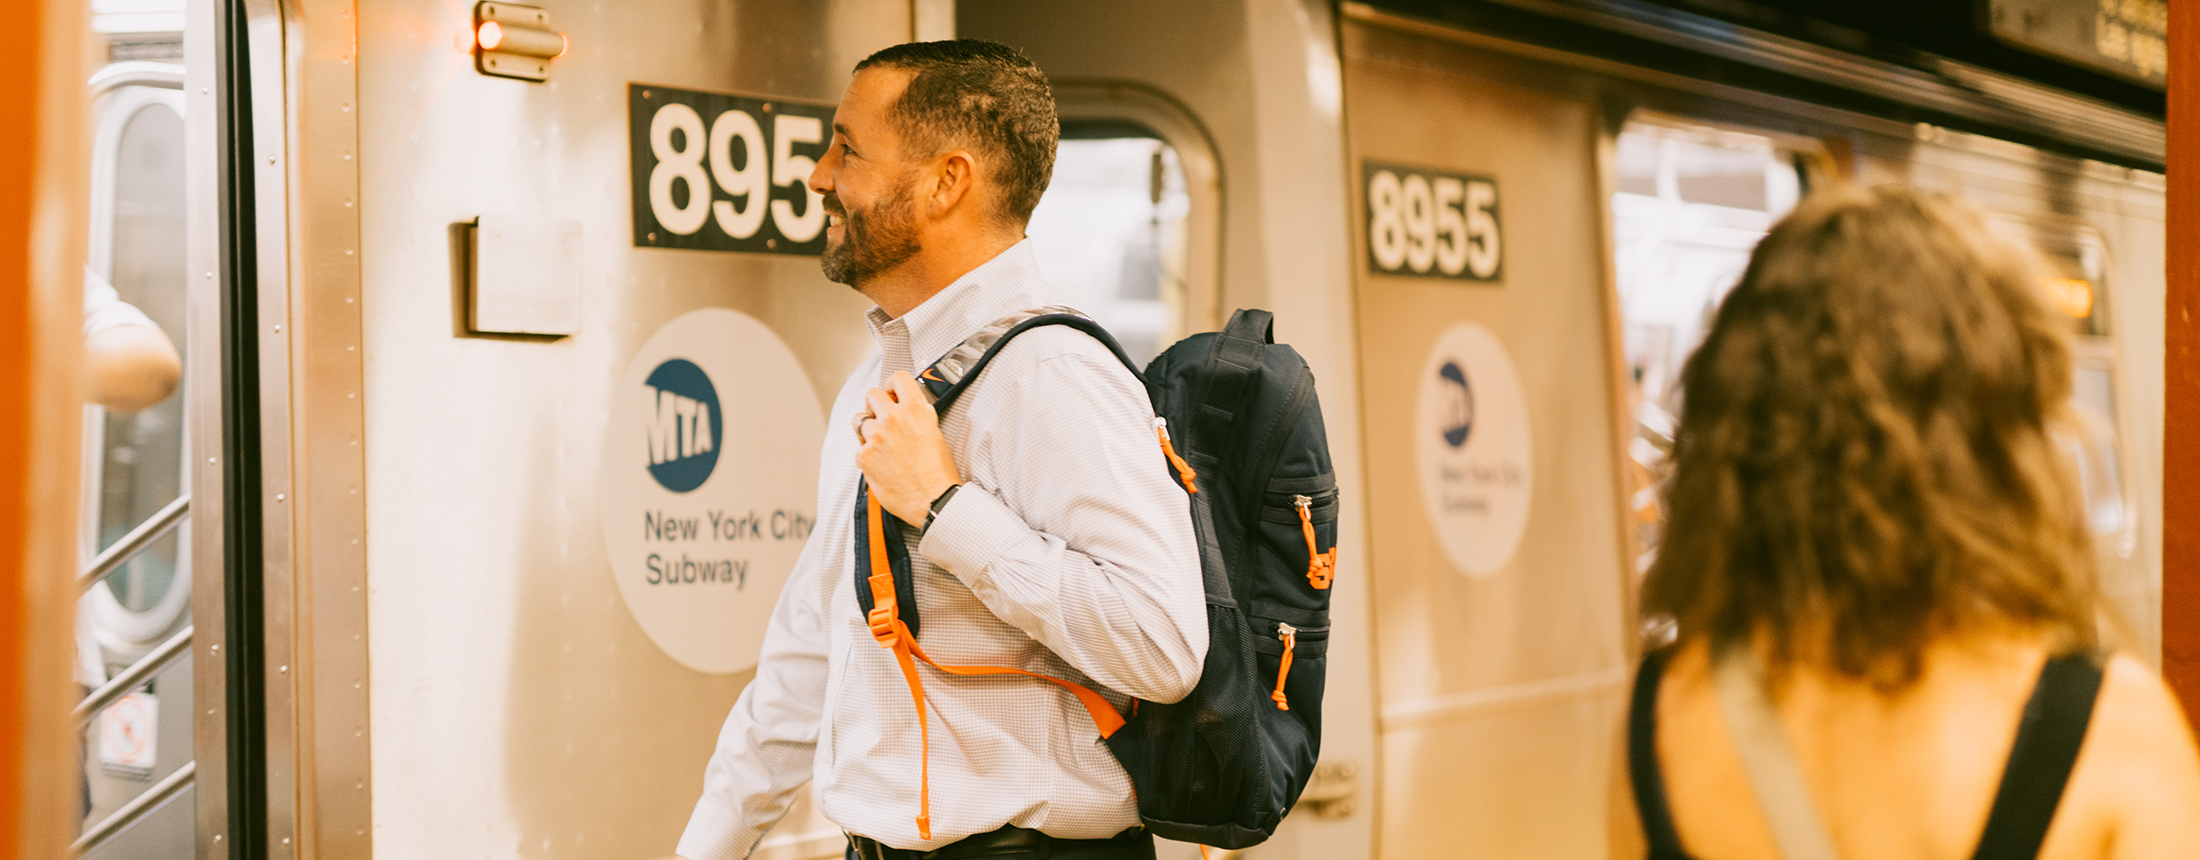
column 769, row 741
column 104, row 308
column 1080, row 538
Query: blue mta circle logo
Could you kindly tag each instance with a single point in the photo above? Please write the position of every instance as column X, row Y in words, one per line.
column 685, row 425
column 1458, row 405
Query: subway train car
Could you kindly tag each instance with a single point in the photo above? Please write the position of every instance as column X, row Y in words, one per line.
column 507, row 355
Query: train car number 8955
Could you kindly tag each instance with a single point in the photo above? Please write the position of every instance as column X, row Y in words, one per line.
column 721, row 172
column 1425, row 223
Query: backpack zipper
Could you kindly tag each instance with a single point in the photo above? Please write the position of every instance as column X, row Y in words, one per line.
column 1321, row 567
column 1290, row 637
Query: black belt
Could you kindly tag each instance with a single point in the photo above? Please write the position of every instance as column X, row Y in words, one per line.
column 1135, row 842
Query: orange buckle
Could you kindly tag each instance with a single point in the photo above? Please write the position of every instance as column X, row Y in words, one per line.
column 882, row 626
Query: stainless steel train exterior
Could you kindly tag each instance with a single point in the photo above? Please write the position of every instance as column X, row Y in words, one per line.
column 419, row 296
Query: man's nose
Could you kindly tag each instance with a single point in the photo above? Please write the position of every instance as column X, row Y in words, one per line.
column 821, row 176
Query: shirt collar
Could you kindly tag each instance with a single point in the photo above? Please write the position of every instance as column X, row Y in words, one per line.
column 1005, row 284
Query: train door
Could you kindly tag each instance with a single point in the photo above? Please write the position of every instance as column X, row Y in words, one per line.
column 1498, row 544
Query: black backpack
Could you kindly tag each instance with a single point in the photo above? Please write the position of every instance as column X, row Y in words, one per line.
column 1222, row 766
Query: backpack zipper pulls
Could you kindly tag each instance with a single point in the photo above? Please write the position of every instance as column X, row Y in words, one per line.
column 1290, row 637
column 1321, row 567
column 1183, row 469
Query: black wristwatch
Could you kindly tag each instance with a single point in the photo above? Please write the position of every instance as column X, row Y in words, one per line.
column 938, row 505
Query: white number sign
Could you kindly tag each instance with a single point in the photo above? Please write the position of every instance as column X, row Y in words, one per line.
column 1430, row 224
column 702, row 178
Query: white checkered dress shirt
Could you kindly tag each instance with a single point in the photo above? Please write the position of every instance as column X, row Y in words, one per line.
column 1068, row 552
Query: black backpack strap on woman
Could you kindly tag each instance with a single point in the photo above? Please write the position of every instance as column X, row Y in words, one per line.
column 2054, row 726
column 1643, row 772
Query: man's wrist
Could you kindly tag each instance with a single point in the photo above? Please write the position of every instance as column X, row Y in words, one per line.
column 939, row 503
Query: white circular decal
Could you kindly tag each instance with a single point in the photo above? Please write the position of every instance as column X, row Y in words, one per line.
column 1471, row 441
column 709, row 484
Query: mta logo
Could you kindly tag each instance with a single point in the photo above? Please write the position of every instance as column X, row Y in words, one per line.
column 685, row 426
column 1458, row 405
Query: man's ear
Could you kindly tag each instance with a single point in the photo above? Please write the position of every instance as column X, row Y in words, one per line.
column 954, row 184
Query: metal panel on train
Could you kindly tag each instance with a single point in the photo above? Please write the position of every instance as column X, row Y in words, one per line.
column 1497, row 544
column 533, row 697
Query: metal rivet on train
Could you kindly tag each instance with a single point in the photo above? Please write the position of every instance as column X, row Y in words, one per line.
column 653, row 237
column 278, row 328
column 767, row 107
column 271, row 159
column 283, row 669
column 347, row 107
column 771, row 243
column 347, row 252
column 217, row 647
column 648, row 95
column 286, row 840
column 278, row 497
column 209, row 276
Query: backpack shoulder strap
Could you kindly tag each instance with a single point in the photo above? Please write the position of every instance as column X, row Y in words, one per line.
column 2048, row 738
column 946, row 378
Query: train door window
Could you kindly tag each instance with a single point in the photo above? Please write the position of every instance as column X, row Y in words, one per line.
column 1111, row 232
column 134, row 463
column 1691, row 203
column 2076, row 266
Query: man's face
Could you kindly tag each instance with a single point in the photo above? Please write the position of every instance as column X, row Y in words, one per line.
column 870, row 200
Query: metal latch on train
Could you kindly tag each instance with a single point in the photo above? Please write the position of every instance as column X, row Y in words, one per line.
column 515, row 41
column 1333, row 792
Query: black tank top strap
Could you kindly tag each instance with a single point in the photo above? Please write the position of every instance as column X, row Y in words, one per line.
column 2053, row 728
column 1643, row 771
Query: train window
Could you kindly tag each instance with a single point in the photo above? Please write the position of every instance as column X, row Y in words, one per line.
column 1691, row 203
column 134, row 465
column 1111, row 231
column 2076, row 263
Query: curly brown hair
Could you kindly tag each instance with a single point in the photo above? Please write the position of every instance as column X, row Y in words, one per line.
column 1864, row 461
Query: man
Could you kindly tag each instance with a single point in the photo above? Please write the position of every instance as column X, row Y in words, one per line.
column 1052, row 537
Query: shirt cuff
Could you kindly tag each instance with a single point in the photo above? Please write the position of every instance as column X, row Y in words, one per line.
column 713, row 833
column 966, row 533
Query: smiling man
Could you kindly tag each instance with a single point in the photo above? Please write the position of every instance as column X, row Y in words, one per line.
column 1045, row 534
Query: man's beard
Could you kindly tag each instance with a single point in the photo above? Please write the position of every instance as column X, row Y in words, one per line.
column 874, row 240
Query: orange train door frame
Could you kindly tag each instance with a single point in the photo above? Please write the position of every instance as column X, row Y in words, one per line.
column 43, row 64
column 2181, row 376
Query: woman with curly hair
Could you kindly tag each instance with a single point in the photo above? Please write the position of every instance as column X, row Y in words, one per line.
column 1880, row 577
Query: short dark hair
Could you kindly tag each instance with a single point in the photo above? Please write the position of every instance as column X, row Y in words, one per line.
column 983, row 95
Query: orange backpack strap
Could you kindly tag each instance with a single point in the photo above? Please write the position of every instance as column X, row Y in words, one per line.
column 878, row 559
